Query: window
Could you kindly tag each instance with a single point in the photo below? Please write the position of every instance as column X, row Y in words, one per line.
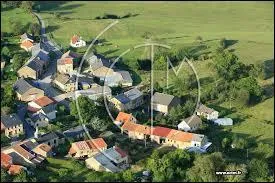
column 49, row 143
column 54, row 141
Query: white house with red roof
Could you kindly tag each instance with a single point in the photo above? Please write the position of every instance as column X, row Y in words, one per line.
column 77, row 42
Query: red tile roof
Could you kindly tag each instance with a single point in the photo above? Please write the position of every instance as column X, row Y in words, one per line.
column 93, row 144
column 129, row 126
column 98, row 143
column 74, row 39
column 123, row 117
column 15, row 169
column 161, row 131
column 65, row 61
column 121, row 152
column 180, row 136
column 26, row 44
column 6, row 160
column 43, row 101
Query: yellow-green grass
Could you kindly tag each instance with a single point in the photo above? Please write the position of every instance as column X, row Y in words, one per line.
column 15, row 15
column 174, row 22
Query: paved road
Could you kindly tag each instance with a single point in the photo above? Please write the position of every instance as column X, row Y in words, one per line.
column 21, row 111
column 45, row 82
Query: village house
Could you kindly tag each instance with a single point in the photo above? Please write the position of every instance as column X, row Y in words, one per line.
column 123, row 117
column 44, row 105
column 100, row 67
column 37, row 120
column 84, row 81
column 53, row 139
column 95, row 92
column 77, row 42
column 7, row 164
column 128, row 100
column 177, row 138
column 77, row 132
column 65, row 65
column 32, row 69
column 87, row 148
column 23, row 154
column 126, row 79
column 11, row 125
column 206, row 112
column 164, row 102
column 191, row 123
column 110, row 160
column 26, row 41
column 163, row 135
column 137, row 131
column 64, row 82
column 25, row 91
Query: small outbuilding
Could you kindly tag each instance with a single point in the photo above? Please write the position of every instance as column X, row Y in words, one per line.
column 224, row 121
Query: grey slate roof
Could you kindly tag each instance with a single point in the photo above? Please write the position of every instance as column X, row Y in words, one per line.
column 36, row 64
column 73, row 132
column 96, row 61
column 133, row 94
column 125, row 75
column 161, row 98
column 22, row 86
column 122, row 98
column 70, row 54
column 192, row 120
column 46, row 137
column 11, row 120
column 48, row 108
column 197, row 137
column 204, row 109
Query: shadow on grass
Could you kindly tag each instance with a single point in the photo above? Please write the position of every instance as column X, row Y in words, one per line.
column 230, row 42
column 268, row 68
column 268, row 90
column 52, row 28
column 55, row 5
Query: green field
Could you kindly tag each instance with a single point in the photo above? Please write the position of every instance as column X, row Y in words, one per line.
column 248, row 24
column 172, row 23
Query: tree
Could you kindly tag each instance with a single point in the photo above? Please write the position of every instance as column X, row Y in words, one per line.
column 204, row 168
column 128, row 176
column 98, row 124
column 18, row 62
column 27, row 6
column 8, row 97
column 5, row 52
column 236, row 178
column 239, row 142
column 228, row 66
column 5, row 177
column 34, row 28
column 251, row 85
column 21, row 177
column 258, row 170
column 169, row 167
column 226, row 143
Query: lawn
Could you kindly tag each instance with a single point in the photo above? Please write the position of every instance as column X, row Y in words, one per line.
column 15, row 15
